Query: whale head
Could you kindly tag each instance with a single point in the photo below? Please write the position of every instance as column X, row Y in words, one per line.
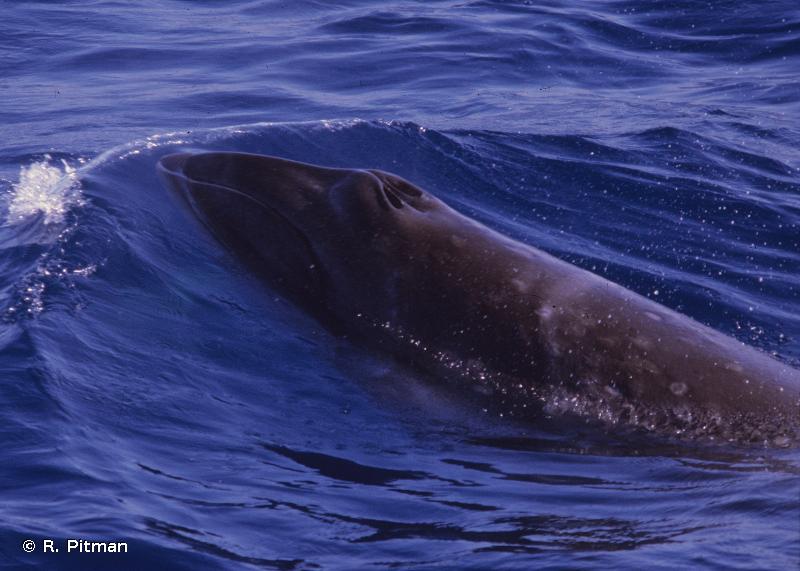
column 316, row 233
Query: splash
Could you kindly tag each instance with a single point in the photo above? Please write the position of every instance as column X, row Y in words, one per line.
column 46, row 188
column 31, row 291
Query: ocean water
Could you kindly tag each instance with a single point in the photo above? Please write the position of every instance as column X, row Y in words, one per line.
column 153, row 391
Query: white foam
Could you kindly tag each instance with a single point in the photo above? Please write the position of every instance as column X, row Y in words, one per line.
column 47, row 188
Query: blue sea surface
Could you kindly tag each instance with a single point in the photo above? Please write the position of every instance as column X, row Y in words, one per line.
column 153, row 391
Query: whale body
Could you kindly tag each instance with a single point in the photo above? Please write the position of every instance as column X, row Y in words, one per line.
column 373, row 256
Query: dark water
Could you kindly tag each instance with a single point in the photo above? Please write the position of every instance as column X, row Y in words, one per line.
column 154, row 392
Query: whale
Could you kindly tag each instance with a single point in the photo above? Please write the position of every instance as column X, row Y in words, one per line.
column 381, row 261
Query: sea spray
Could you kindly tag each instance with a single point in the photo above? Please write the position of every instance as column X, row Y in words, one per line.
column 47, row 188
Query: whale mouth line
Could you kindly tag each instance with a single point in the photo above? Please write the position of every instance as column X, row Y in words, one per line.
column 171, row 166
column 166, row 165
